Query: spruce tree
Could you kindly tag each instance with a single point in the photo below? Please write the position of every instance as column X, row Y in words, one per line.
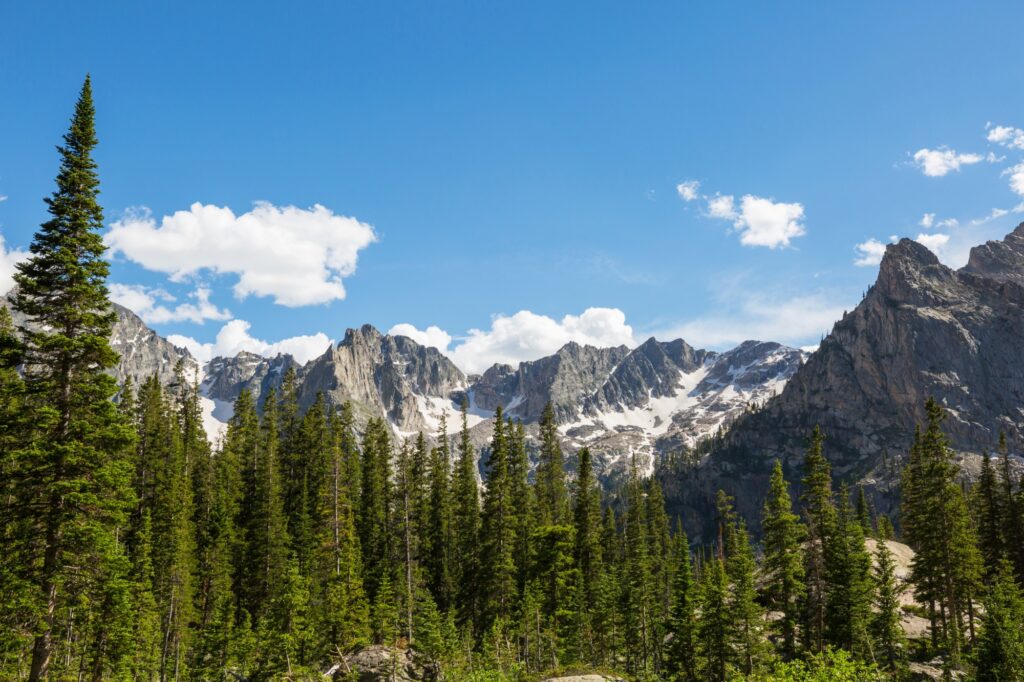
column 783, row 564
column 999, row 653
column 552, row 495
column 715, row 627
column 889, row 642
column 76, row 469
column 848, row 576
column 989, row 516
column 338, row 601
column 819, row 515
column 498, row 527
column 438, row 536
column 466, row 529
column 681, row 654
column 947, row 565
column 587, row 520
column 639, row 601
column 375, row 519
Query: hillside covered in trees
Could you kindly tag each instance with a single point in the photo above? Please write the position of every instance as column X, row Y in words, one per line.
column 132, row 549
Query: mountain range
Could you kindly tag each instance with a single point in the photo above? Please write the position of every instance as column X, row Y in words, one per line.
column 923, row 329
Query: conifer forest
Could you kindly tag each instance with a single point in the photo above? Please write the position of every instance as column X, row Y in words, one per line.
column 133, row 548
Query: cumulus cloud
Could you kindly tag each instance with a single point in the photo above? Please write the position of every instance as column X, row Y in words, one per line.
column 8, row 259
column 722, row 206
column 934, row 242
column 760, row 221
column 936, row 163
column 143, row 301
column 526, row 336
column 1006, row 136
column 869, row 253
column 772, row 316
column 3, row 197
column 297, row 256
column 1016, row 174
column 688, row 191
column 927, row 220
column 433, row 336
column 234, row 338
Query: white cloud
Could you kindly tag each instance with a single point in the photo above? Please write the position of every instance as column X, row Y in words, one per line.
column 297, row 256
column 938, row 162
column 1016, row 174
column 8, row 259
column 722, row 206
column 143, row 302
column 927, row 220
column 3, row 197
column 934, row 242
column 948, row 223
column 527, row 336
column 433, row 336
column 234, row 338
column 869, row 253
column 1006, row 136
column 688, row 190
column 762, row 316
column 763, row 222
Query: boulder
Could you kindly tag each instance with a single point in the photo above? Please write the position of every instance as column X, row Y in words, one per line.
column 385, row 664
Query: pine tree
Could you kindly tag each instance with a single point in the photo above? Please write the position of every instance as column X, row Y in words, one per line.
column 715, row 627
column 681, row 655
column 989, row 514
column 337, row 595
column 552, row 495
column 864, row 513
column 889, row 644
column 819, row 514
column 265, row 532
column 375, row 519
column 637, row 585
column 498, row 530
column 466, row 530
column 999, row 653
column 76, row 471
column 783, row 565
column 587, row 520
column 438, row 536
column 947, row 565
column 849, row 587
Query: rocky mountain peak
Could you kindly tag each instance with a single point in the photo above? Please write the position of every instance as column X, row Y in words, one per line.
column 1000, row 260
column 910, row 273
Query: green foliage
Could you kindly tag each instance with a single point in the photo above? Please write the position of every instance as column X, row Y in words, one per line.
column 831, row 665
column 999, row 653
column 783, row 564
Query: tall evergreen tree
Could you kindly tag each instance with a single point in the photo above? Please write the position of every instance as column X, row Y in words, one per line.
column 890, row 646
column 999, row 654
column 73, row 480
column 466, row 529
column 947, row 566
column 438, row 535
column 819, row 514
column 783, row 565
column 848, row 575
column 990, row 518
column 587, row 521
column 375, row 520
column 498, row 529
column 715, row 627
column 681, row 655
column 552, row 493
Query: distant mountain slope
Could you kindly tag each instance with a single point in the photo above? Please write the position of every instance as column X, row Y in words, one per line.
column 922, row 330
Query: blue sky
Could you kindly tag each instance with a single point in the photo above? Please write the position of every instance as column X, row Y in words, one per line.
column 476, row 160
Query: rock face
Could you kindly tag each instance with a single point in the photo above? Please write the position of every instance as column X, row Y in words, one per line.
column 384, row 664
column 922, row 330
column 385, row 376
column 226, row 378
